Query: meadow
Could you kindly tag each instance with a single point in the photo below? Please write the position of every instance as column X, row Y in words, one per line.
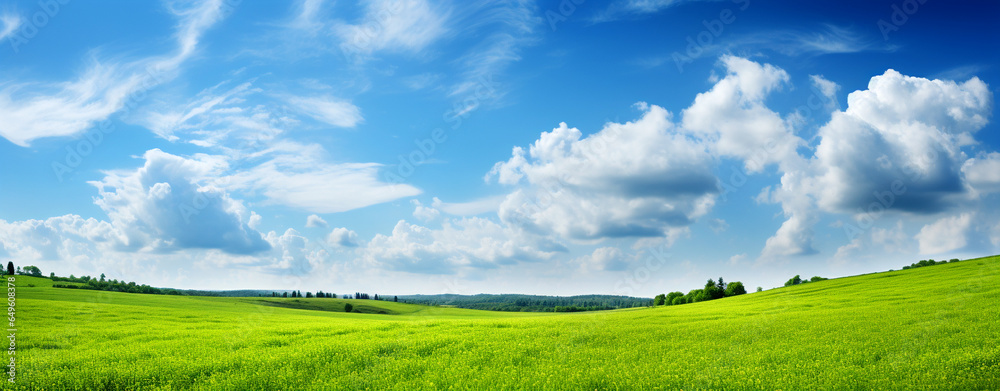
column 924, row 328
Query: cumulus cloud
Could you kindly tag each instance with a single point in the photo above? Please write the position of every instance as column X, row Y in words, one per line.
column 343, row 237
column 57, row 238
column 35, row 110
column 424, row 213
column 170, row 204
column 983, row 173
column 734, row 118
column 905, row 129
column 314, row 221
column 897, row 147
column 468, row 243
column 639, row 178
column 946, row 234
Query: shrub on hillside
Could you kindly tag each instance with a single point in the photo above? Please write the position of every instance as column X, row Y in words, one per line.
column 794, row 281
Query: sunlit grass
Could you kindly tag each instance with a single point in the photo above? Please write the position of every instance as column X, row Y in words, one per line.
column 925, row 328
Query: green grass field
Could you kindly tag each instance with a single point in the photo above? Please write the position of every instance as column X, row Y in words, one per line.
column 926, row 328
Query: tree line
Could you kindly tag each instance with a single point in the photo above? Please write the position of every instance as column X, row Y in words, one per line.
column 928, row 262
column 798, row 280
column 712, row 290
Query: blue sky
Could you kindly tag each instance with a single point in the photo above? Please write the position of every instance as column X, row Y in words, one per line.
column 555, row 147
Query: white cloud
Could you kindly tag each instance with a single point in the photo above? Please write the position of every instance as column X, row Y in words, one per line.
column 10, row 23
column 639, row 178
column 300, row 176
column 603, row 259
column 946, row 234
column 734, row 118
column 850, row 249
column 343, row 237
column 827, row 88
column 830, row 39
column 170, row 203
column 329, row 110
column 983, row 173
column 737, row 259
column 314, row 221
column 463, row 244
column 718, row 225
column 308, row 12
column 506, row 28
column 290, row 253
column 623, row 9
column 910, row 129
column 893, row 240
column 38, row 110
column 475, row 207
column 57, row 238
column 895, row 148
column 409, row 25
column 995, row 235
column 424, row 213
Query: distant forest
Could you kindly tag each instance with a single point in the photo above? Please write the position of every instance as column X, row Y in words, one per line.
column 530, row 303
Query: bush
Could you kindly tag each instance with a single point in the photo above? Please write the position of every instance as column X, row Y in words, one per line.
column 660, row 299
column 794, row 281
column 348, row 307
column 816, row 278
column 953, row 260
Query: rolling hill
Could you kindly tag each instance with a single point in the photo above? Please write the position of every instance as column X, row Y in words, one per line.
column 924, row 328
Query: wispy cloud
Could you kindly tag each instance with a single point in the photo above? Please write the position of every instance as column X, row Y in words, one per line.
column 9, row 23
column 829, row 39
column 625, row 9
column 329, row 110
column 392, row 25
column 35, row 110
column 512, row 26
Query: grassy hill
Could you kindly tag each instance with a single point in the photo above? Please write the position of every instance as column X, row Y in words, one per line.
column 924, row 328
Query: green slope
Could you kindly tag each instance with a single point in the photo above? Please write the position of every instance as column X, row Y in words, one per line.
column 925, row 328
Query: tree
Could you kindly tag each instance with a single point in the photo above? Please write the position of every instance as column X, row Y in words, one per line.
column 10, row 267
column 816, row 278
column 660, row 299
column 348, row 307
column 721, row 284
column 52, row 275
column 395, row 299
column 759, row 289
column 102, row 277
column 284, row 294
column 669, row 300
column 33, row 271
column 309, row 295
column 735, row 289
column 19, row 272
column 794, row 281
